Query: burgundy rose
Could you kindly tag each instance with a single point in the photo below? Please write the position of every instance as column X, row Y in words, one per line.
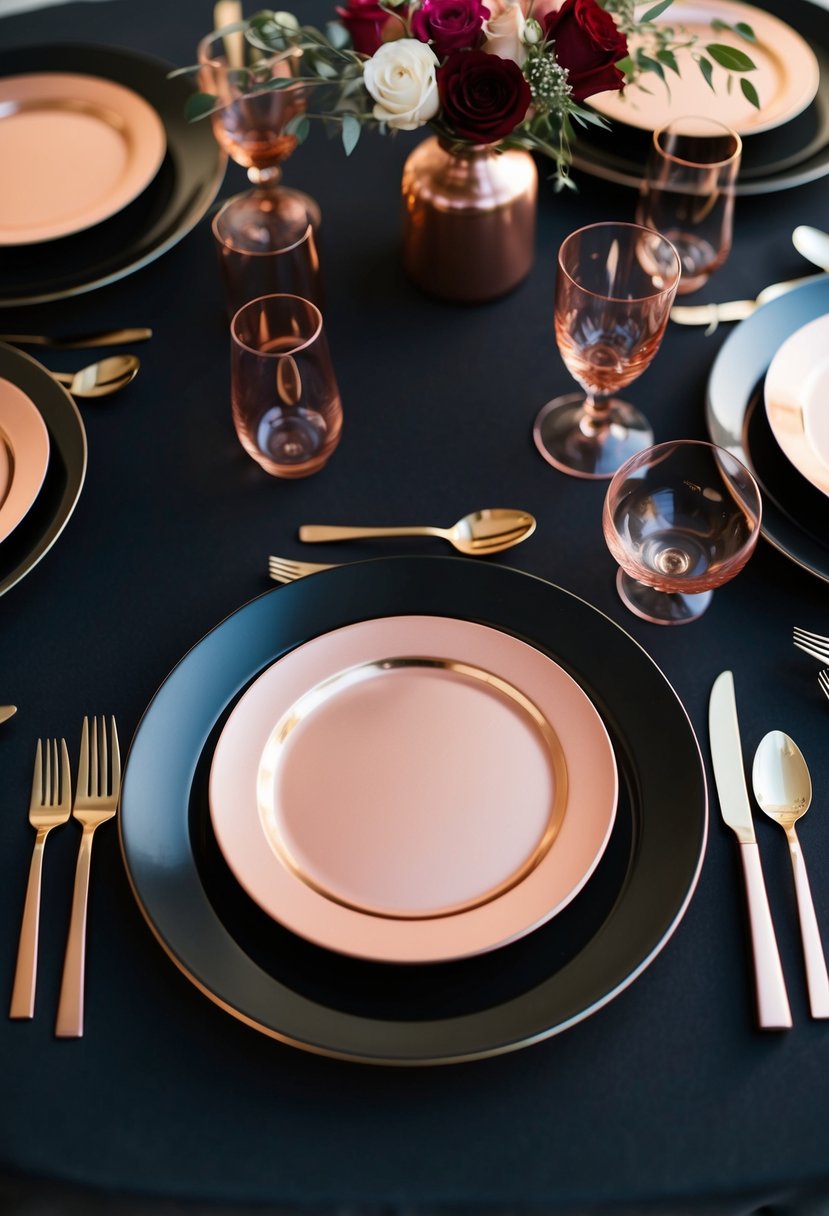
column 483, row 97
column 589, row 44
column 364, row 20
column 450, row 25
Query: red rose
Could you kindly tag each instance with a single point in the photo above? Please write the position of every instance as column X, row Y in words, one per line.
column 364, row 20
column 483, row 97
column 589, row 44
column 450, row 25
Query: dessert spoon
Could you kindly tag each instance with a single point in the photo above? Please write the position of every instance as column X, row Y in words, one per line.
column 7, row 711
column 481, row 532
column 812, row 244
column 783, row 789
column 100, row 379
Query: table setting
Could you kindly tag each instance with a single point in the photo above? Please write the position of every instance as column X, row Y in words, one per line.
column 339, row 532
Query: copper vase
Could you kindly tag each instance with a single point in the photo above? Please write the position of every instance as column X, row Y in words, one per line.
column 468, row 219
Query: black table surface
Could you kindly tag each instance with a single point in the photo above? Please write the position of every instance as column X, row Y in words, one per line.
column 668, row 1099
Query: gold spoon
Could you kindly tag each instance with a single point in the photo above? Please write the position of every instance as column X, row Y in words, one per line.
column 783, row 789
column 7, row 711
column 481, row 532
column 100, row 379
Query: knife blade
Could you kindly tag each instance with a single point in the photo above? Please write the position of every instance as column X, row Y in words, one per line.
column 734, row 310
column 773, row 1010
column 7, row 711
column 108, row 337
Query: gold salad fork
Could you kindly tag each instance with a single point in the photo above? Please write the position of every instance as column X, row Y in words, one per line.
column 96, row 800
column 285, row 570
column 50, row 806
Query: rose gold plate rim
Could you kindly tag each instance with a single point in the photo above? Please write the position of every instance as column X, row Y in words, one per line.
column 801, row 359
column 115, row 107
column 550, row 883
column 25, row 442
column 784, row 57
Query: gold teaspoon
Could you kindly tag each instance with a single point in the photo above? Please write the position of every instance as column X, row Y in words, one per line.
column 100, row 379
column 482, row 532
column 783, row 789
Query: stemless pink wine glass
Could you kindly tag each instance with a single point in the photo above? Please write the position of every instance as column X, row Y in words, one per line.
column 681, row 519
column 252, row 123
column 286, row 404
column 614, row 290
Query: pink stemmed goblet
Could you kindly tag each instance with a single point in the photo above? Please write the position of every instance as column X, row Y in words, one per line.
column 681, row 519
column 252, row 123
column 614, row 290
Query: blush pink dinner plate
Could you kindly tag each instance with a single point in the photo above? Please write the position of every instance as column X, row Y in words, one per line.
column 796, row 394
column 413, row 789
column 74, row 150
column 24, row 455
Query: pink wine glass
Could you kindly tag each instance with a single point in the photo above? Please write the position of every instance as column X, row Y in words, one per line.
column 681, row 519
column 614, row 290
column 252, row 123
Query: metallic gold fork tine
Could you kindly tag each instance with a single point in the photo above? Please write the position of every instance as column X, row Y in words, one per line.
column 96, row 801
column 823, row 681
column 813, row 644
column 50, row 805
column 286, row 570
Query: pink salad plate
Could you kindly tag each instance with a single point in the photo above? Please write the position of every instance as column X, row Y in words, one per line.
column 413, row 789
column 786, row 77
column 74, row 150
column 24, row 455
column 797, row 400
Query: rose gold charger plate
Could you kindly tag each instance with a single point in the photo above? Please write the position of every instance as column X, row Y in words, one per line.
column 787, row 74
column 413, row 789
column 24, row 455
column 75, row 151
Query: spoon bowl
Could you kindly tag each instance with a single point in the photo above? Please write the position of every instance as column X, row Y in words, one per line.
column 101, row 378
column 478, row 534
column 812, row 244
column 783, row 789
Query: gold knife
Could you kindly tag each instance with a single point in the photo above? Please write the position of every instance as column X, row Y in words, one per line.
column 107, row 337
column 733, row 310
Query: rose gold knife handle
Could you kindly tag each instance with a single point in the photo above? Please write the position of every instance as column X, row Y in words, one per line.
column 69, row 1024
column 816, row 977
column 25, row 973
column 772, row 1002
column 322, row 532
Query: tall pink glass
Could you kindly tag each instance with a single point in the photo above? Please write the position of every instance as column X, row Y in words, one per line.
column 614, row 290
column 286, row 404
column 252, row 123
column 681, row 519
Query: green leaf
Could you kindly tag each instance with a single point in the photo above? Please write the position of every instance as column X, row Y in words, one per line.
column 745, row 31
column 656, row 11
column 749, row 92
column 669, row 59
column 299, row 127
column 650, row 65
column 351, row 133
column 281, row 82
column 337, row 35
column 730, row 58
column 198, row 105
column 717, row 24
column 626, row 66
column 707, row 69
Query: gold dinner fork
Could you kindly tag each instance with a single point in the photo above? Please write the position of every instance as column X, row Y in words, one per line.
column 96, row 800
column 50, row 806
column 286, row 570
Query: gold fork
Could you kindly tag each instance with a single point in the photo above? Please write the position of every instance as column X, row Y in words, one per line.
column 50, row 806
column 286, row 570
column 96, row 800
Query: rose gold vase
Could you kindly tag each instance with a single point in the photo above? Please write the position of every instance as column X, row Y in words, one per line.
column 468, row 219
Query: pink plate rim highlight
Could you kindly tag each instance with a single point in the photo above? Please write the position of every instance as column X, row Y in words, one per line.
column 24, row 435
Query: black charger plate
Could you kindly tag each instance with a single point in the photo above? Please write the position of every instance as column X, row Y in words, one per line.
column 65, row 472
column 793, row 154
column 378, row 1013
column 177, row 198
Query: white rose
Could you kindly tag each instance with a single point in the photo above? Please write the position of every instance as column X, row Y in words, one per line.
column 400, row 76
column 505, row 33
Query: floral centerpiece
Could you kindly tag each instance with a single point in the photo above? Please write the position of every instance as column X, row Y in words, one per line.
column 510, row 76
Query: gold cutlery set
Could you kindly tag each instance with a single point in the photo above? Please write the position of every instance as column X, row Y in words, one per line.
column 95, row 801
column 783, row 791
column 99, row 379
